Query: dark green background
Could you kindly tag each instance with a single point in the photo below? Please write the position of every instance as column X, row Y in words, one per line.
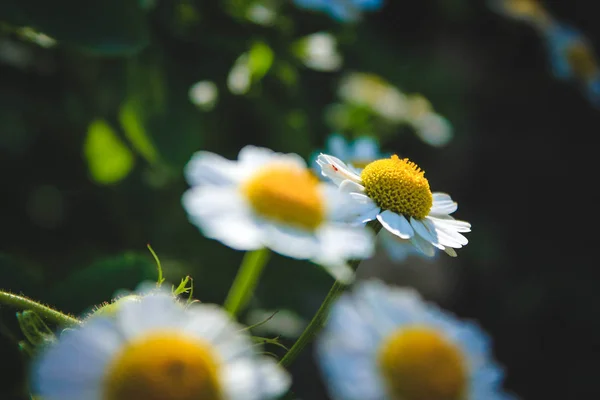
column 522, row 165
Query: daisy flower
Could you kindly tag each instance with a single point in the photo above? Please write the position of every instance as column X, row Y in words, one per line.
column 268, row 199
column 572, row 57
column 385, row 343
column 156, row 348
column 530, row 11
column 396, row 193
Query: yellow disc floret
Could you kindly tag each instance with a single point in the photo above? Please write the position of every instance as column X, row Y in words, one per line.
column 418, row 363
column 398, row 185
column 286, row 194
column 163, row 366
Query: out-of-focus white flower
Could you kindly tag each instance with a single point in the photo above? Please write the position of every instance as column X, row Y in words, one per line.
column 204, row 94
column 319, row 51
column 155, row 348
column 240, row 77
column 268, row 199
column 396, row 193
column 530, row 11
column 572, row 57
column 261, row 14
column 374, row 92
column 386, row 343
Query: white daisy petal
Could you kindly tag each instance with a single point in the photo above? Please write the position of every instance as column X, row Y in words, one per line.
column 368, row 215
column 423, row 245
column 451, row 223
column 157, row 311
column 422, row 230
column 290, row 241
column 396, row 224
column 212, row 202
column 238, row 232
column 447, row 237
column 443, row 207
column 336, row 170
column 340, row 243
column 444, row 230
column 210, row 168
column 441, row 196
column 350, row 186
column 73, row 368
column 254, row 380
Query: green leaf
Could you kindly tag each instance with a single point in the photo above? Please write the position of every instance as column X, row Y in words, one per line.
column 108, row 27
column 134, row 130
column 109, row 159
column 260, row 60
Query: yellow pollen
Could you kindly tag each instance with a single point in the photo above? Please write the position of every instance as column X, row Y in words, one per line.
column 163, row 366
column 582, row 60
column 418, row 363
column 398, row 185
column 286, row 194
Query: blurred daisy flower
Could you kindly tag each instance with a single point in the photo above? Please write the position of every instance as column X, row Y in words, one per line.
column 384, row 343
column 341, row 10
column 268, row 199
column 156, row 348
column 572, row 57
column 430, row 127
column 530, row 11
column 319, row 51
column 396, row 193
column 375, row 93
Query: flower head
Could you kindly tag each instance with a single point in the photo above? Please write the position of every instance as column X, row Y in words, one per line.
column 530, row 11
column 384, row 343
column 268, row 199
column 396, row 192
column 156, row 348
column 572, row 57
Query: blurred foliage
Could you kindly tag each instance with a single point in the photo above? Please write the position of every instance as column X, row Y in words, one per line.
column 100, row 111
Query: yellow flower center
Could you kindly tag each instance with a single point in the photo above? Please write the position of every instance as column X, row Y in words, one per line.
column 163, row 366
column 286, row 194
column 582, row 60
column 398, row 185
column 418, row 363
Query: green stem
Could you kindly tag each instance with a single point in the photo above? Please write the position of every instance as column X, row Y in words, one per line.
column 314, row 325
column 246, row 280
column 43, row 311
column 319, row 318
